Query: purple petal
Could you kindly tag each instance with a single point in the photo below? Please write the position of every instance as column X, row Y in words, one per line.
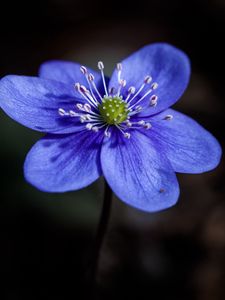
column 188, row 146
column 63, row 163
column 138, row 174
column 34, row 103
column 167, row 65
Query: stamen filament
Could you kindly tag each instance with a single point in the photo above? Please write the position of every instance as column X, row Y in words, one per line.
column 101, row 68
column 95, row 87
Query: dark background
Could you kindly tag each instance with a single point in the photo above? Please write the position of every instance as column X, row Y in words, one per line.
column 46, row 239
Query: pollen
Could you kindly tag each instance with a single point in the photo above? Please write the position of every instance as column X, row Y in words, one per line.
column 113, row 110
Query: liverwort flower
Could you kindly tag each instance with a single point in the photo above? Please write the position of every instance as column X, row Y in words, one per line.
column 120, row 128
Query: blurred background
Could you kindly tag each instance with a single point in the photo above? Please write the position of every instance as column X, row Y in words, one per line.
column 46, row 239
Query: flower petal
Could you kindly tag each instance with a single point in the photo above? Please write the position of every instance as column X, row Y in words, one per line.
column 60, row 163
column 167, row 65
column 137, row 173
column 188, row 146
column 34, row 103
column 67, row 72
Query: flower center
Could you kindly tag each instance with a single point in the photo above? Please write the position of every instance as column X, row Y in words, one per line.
column 113, row 110
column 118, row 107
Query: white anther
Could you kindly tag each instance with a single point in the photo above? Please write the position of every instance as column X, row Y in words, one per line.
column 107, row 133
column 148, row 79
column 168, row 117
column 83, row 89
column 88, row 117
column 154, row 85
column 123, row 82
column 82, row 119
column 112, row 91
column 128, row 124
column 138, row 108
column 77, row 86
column 147, row 126
column 83, row 70
column 142, row 122
column 131, row 90
column 95, row 128
column 153, row 100
column 91, row 77
column 61, row 112
column 107, row 114
column 126, row 135
column 89, row 126
column 79, row 106
column 87, row 107
column 100, row 65
column 101, row 68
column 119, row 67
column 72, row 113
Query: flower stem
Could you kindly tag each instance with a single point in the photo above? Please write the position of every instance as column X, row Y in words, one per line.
column 101, row 231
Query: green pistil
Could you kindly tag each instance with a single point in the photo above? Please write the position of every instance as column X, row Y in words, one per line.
column 113, row 110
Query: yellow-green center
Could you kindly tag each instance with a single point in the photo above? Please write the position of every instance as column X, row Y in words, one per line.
column 113, row 110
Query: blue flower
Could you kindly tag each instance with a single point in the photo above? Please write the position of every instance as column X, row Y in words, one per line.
column 120, row 128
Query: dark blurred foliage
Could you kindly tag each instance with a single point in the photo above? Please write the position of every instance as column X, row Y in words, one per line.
column 46, row 239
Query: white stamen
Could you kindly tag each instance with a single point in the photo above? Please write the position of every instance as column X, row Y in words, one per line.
column 126, row 135
column 147, row 126
column 107, row 133
column 145, row 95
column 100, row 65
column 79, row 106
column 85, row 93
column 77, row 86
column 148, row 79
column 119, row 70
column 91, row 77
column 87, row 107
column 142, row 122
column 95, row 128
column 89, row 126
column 131, row 91
column 83, row 89
column 168, row 117
column 83, row 69
column 153, row 100
column 61, row 112
column 122, row 84
column 138, row 108
column 140, row 89
column 82, row 119
column 112, row 91
column 154, row 86
column 94, row 85
column 119, row 66
column 128, row 123
column 73, row 113
column 101, row 68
